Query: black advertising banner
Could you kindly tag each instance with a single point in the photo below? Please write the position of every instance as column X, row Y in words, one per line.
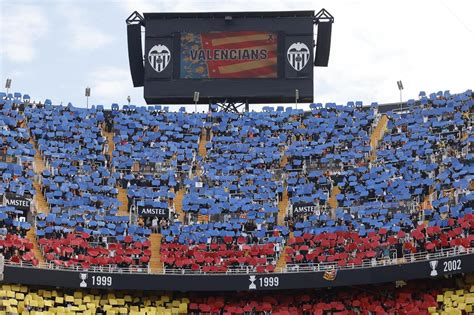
column 437, row 267
column 18, row 202
column 149, row 211
column 305, row 208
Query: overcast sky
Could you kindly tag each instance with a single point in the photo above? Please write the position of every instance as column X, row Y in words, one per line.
column 54, row 49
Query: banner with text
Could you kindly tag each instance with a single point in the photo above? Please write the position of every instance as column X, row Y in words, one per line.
column 227, row 55
column 305, row 208
column 18, row 202
column 149, row 211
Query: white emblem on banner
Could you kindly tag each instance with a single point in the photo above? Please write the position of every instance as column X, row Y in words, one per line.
column 83, row 277
column 298, row 55
column 252, row 285
column 433, row 265
column 159, row 57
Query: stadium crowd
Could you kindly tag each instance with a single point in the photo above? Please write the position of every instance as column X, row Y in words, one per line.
column 233, row 185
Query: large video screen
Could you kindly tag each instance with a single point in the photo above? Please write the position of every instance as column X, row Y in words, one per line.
column 228, row 55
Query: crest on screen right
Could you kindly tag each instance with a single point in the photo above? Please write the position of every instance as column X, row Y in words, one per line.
column 298, row 55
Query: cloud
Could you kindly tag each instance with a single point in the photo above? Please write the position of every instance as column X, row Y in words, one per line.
column 111, row 85
column 83, row 33
column 368, row 55
column 86, row 37
column 89, row 38
column 21, row 28
column 145, row 6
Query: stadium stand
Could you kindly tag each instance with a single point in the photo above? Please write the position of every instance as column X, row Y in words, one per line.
column 82, row 227
column 16, row 169
column 383, row 185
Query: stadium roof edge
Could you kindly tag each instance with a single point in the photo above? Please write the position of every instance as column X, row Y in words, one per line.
column 175, row 15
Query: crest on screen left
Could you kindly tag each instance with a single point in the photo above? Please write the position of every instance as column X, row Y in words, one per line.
column 159, row 57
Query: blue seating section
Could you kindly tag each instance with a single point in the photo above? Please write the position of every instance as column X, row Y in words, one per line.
column 16, row 152
column 154, row 151
column 423, row 173
column 77, row 182
column 420, row 179
column 240, row 173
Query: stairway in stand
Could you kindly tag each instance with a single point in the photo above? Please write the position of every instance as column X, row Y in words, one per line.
column 203, row 218
column 31, row 236
column 122, row 198
column 333, row 203
column 178, row 204
column 38, row 167
column 283, row 207
column 283, row 161
column 377, row 135
column 202, row 143
column 281, row 263
column 110, row 142
column 283, row 203
column 156, row 266
column 122, row 192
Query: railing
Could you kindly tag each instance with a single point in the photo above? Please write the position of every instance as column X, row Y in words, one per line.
column 291, row 268
column 417, row 257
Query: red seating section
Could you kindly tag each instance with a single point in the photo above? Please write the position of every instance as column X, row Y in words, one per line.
column 76, row 250
column 218, row 257
column 17, row 249
column 374, row 300
column 348, row 248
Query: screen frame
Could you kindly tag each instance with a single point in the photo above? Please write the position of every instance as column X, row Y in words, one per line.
column 167, row 87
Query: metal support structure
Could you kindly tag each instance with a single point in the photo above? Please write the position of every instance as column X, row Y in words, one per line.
column 2, row 266
column 297, row 97
column 323, row 16
column 196, row 100
column 87, row 94
column 400, row 88
column 232, row 107
column 135, row 18
column 8, row 84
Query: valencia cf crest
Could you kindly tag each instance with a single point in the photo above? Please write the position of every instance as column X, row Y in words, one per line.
column 298, row 55
column 330, row 274
column 159, row 57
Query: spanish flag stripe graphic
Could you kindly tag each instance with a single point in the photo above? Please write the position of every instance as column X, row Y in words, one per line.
column 248, row 65
column 238, row 39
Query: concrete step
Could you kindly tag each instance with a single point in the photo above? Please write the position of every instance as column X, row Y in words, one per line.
column 156, row 265
column 202, row 143
column 333, row 201
column 283, row 207
column 281, row 263
column 377, row 135
column 122, row 198
column 38, row 165
column 40, row 201
column 110, row 142
column 203, row 218
column 31, row 236
column 178, row 203
column 284, row 160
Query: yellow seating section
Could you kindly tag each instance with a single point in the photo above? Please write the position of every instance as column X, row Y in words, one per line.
column 18, row 299
column 454, row 302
